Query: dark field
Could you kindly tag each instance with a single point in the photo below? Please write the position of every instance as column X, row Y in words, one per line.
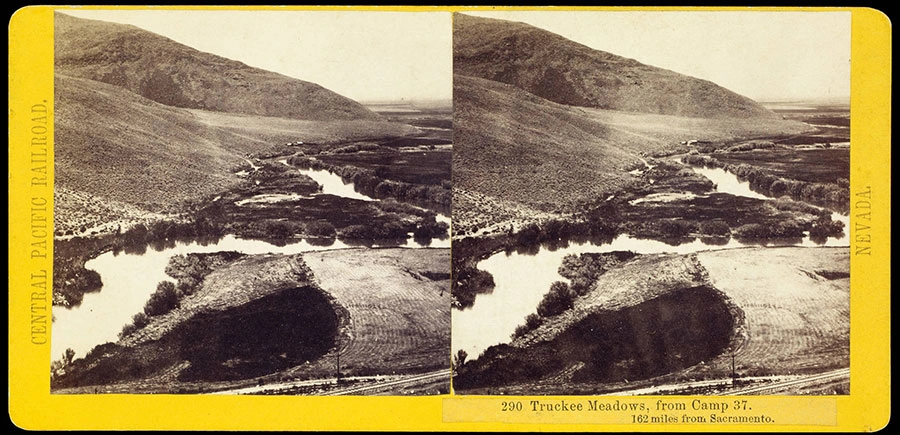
column 815, row 165
column 659, row 336
column 274, row 332
column 264, row 336
column 735, row 210
column 417, row 167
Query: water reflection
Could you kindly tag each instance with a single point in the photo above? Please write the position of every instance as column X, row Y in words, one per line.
column 727, row 182
column 334, row 185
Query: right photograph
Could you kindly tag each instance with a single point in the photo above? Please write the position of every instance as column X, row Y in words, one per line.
column 651, row 203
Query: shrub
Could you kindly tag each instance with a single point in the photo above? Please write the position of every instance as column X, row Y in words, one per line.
column 825, row 227
column 751, row 231
column 356, row 232
column 529, row 235
column 554, row 230
column 138, row 321
column 559, row 299
column 778, row 187
column 786, row 229
column 675, row 228
column 429, row 227
column 320, row 229
column 278, row 230
column 163, row 300
column 715, row 228
column 532, row 321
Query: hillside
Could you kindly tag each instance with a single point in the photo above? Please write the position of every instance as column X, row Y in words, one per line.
column 114, row 144
column 516, row 146
column 144, row 124
column 170, row 73
column 526, row 148
column 116, row 148
column 563, row 71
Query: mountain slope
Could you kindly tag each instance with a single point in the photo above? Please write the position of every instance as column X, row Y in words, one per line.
column 114, row 147
column 566, row 72
column 513, row 145
column 167, row 72
column 118, row 145
column 525, row 149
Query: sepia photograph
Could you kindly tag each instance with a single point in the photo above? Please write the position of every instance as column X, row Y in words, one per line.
column 449, row 218
column 251, row 202
column 651, row 203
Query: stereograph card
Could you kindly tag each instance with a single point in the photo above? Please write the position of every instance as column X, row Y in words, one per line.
column 449, row 218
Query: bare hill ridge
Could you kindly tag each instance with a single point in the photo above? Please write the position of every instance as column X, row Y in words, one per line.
column 563, row 71
column 174, row 74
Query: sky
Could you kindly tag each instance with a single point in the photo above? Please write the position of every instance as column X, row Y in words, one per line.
column 383, row 55
column 366, row 56
column 767, row 56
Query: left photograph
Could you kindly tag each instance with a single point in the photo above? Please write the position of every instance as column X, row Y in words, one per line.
column 252, row 202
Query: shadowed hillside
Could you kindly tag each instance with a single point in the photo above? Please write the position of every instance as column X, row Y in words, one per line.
column 165, row 71
column 514, row 145
column 564, row 71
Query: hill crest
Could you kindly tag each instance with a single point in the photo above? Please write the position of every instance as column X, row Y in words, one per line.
column 174, row 74
column 563, row 71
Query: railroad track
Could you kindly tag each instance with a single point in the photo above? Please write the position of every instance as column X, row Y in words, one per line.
column 406, row 381
column 793, row 383
column 374, row 383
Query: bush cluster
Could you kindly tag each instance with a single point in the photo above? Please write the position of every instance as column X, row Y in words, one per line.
column 320, row 229
column 372, row 183
column 762, row 181
column 559, row 299
column 468, row 282
column 374, row 230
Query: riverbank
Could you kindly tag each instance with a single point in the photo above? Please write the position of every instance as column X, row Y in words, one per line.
column 772, row 296
column 669, row 202
column 202, row 345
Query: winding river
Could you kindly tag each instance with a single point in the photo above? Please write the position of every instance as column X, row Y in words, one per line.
column 522, row 279
column 130, row 279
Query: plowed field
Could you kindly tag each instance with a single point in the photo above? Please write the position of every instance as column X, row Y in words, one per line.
column 399, row 318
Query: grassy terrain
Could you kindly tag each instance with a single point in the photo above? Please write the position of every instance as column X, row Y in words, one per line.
column 505, row 139
column 544, row 126
column 157, row 157
column 398, row 301
column 389, row 317
column 790, row 311
column 796, row 311
column 667, row 131
column 145, row 125
column 516, row 154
